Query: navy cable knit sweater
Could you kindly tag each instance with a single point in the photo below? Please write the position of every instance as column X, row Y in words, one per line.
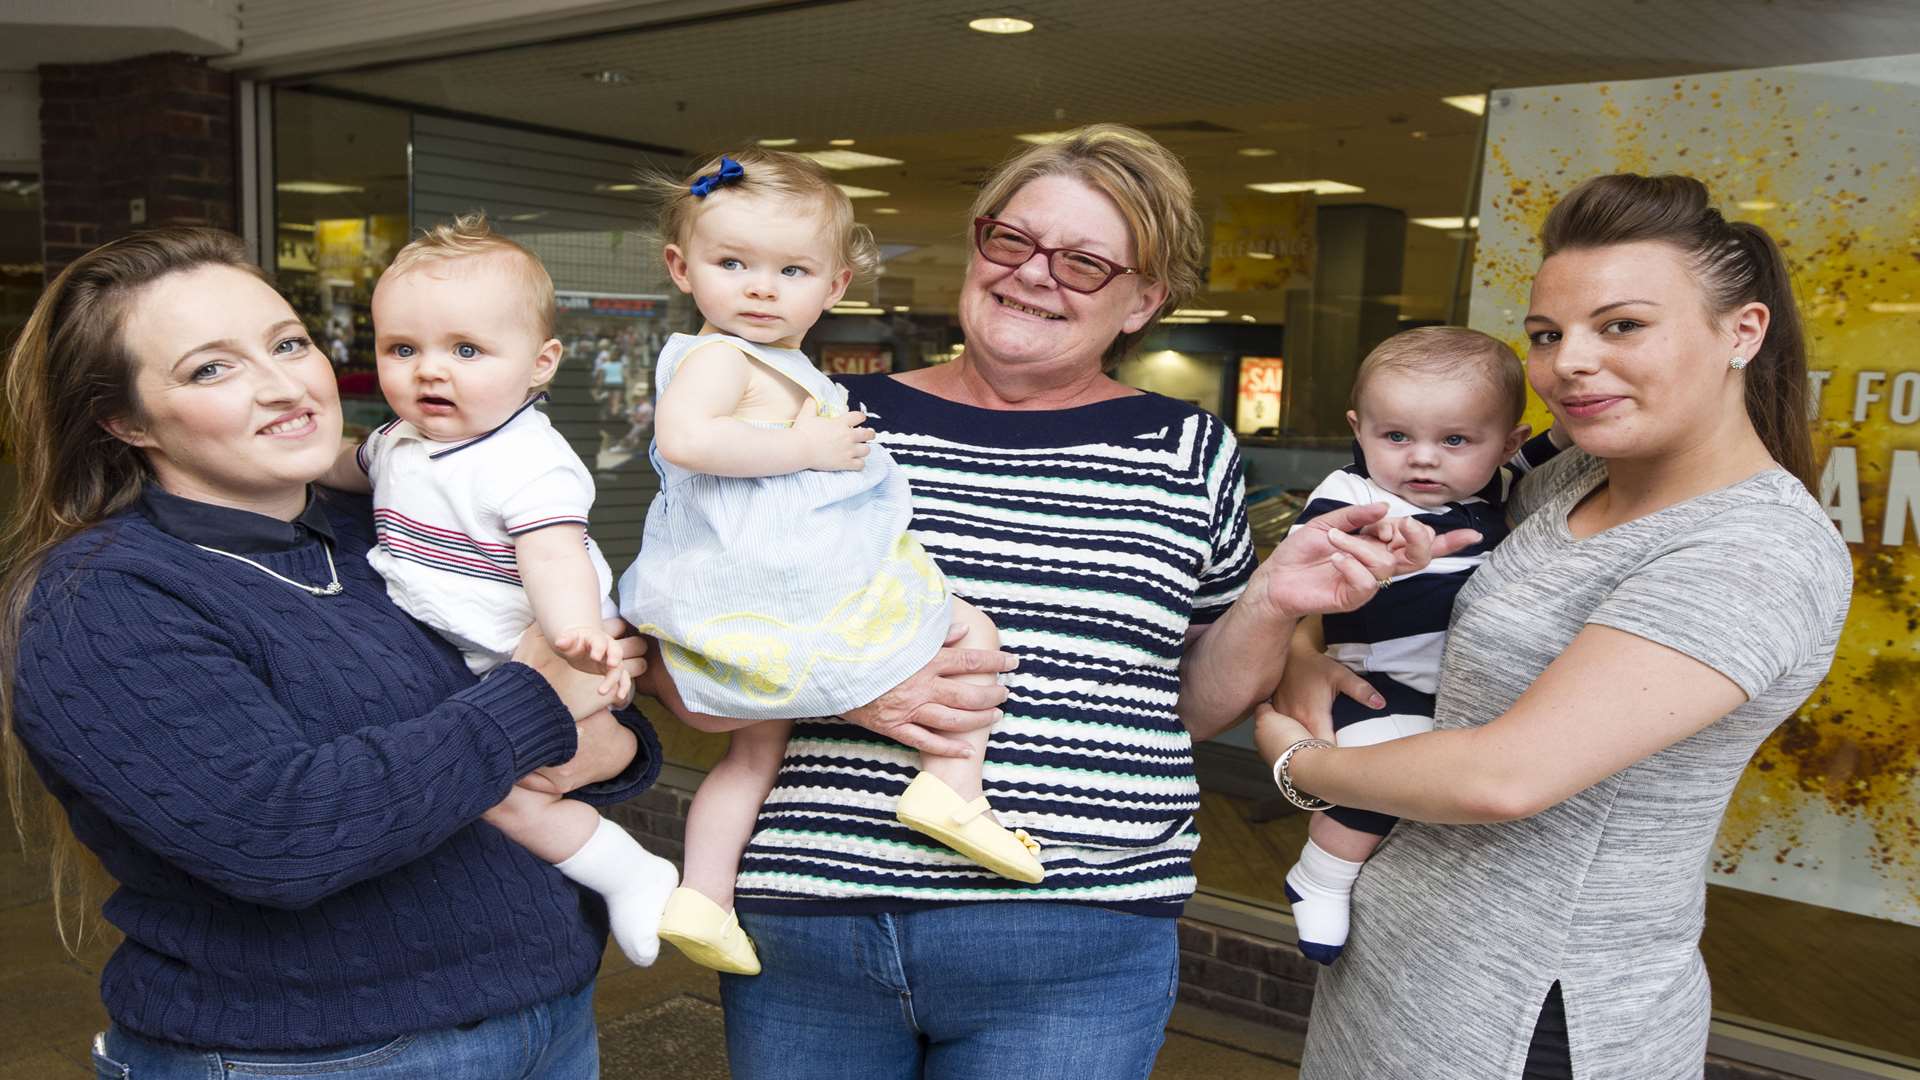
column 286, row 787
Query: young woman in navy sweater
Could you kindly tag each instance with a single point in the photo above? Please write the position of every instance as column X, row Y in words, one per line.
column 285, row 775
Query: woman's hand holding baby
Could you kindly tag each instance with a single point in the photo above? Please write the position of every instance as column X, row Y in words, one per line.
column 834, row 443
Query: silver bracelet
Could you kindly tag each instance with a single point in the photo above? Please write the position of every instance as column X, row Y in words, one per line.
column 1285, row 782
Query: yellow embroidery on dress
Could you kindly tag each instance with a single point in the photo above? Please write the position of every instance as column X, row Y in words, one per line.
column 753, row 652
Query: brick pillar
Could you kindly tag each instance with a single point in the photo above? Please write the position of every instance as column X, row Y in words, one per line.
column 158, row 128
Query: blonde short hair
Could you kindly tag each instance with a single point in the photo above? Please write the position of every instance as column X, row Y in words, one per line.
column 1149, row 185
column 766, row 172
column 470, row 237
column 1451, row 351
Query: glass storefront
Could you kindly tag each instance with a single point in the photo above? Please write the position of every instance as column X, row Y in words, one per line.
column 1340, row 187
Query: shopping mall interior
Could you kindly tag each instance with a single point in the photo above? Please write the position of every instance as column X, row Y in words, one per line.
column 1340, row 155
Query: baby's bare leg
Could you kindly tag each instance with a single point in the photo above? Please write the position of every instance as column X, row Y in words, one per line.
column 720, row 820
column 962, row 774
column 597, row 854
column 547, row 825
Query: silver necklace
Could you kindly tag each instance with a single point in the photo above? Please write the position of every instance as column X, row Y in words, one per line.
column 331, row 588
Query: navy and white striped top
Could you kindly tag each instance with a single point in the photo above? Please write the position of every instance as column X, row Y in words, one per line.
column 1094, row 537
column 1401, row 633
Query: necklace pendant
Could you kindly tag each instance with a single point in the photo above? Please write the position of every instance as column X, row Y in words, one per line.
column 333, row 589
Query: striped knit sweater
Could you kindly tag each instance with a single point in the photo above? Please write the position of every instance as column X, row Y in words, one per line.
column 1094, row 537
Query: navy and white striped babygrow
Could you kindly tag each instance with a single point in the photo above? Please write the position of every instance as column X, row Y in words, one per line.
column 1395, row 640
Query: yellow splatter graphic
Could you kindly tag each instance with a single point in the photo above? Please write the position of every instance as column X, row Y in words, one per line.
column 1825, row 158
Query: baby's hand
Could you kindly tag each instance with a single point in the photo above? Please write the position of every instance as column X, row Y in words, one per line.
column 834, row 443
column 592, row 650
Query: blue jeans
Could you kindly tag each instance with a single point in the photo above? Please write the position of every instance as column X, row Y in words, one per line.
column 554, row 1040
column 1040, row 991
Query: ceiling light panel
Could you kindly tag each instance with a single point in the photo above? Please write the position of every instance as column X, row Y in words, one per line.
column 842, row 160
column 1318, row 187
column 1000, row 24
column 1473, row 103
column 852, row 192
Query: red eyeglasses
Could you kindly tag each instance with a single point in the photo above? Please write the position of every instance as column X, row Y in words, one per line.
column 1080, row 271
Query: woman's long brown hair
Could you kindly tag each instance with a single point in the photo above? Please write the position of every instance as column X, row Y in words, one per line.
column 69, row 373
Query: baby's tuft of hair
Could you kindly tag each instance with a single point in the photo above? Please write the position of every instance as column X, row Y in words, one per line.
column 468, row 236
column 766, row 172
column 1450, row 351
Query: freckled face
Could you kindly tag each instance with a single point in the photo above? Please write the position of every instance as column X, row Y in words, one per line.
column 237, row 406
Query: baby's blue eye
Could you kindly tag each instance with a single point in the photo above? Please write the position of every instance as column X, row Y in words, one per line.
column 465, row 351
column 1455, row 440
column 404, row 352
column 1396, row 436
column 732, row 264
column 793, row 271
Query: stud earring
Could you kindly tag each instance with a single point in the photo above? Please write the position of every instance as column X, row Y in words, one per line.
column 1737, row 362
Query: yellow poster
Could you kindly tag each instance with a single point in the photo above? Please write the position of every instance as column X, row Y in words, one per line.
column 1827, row 158
column 1262, row 243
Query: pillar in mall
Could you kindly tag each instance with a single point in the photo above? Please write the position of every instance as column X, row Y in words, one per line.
column 133, row 144
column 1353, row 305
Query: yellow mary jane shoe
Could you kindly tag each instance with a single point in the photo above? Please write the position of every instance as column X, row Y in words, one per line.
column 709, row 936
column 929, row 806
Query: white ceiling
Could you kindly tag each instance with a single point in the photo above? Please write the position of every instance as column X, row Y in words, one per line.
column 1348, row 90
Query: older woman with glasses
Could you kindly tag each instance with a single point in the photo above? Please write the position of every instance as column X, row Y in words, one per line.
column 1103, row 530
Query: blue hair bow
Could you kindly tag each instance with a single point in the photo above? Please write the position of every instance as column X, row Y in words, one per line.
column 730, row 173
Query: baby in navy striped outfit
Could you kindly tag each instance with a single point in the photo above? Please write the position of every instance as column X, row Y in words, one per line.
column 1436, row 414
column 480, row 513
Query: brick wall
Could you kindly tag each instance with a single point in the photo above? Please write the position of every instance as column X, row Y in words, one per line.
column 158, row 128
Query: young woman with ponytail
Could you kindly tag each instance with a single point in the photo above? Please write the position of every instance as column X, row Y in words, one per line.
column 1671, row 592
column 283, row 775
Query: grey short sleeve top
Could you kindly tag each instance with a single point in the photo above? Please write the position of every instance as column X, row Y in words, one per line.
column 1459, row 930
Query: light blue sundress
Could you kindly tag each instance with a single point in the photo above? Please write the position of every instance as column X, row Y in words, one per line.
column 783, row 597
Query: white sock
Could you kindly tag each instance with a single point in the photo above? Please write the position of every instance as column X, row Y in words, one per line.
column 1320, row 886
column 634, row 882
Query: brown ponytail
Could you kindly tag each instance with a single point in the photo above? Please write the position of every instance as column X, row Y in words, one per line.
column 69, row 373
column 1736, row 262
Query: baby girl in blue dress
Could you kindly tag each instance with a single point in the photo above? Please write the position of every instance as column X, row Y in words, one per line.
column 776, row 568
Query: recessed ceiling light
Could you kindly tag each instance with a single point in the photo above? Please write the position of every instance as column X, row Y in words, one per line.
column 610, row 77
column 841, row 160
column 1318, row 187
column 317, row 187
column 839, row 142
column 902, row 307
column 777, row 142
column 886, row 210
column 1181, row 320
column 852, row 192
column 1201, row 313
column 1248, row 318
column 852, row 303
column 1256, row 151
column 1260, row 255
column 1446, row 222
column 616, row 187
column 857, row 311
column 1757, row 204
column 1041, row 138
column 1473, row 103
column 1000, row 24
